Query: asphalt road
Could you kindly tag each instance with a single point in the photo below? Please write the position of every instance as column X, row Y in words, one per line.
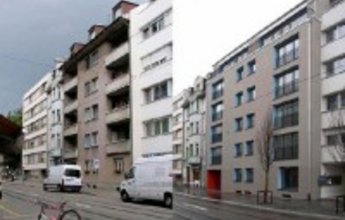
column 19, row 204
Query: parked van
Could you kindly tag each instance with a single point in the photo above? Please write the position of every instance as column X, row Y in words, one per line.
column 63, row 178
column 149, row 178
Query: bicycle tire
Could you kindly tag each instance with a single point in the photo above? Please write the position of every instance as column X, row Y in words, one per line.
column 68, row 213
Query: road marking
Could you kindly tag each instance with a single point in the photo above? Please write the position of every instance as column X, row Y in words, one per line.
column 195, row 207
column 9, row 211
column 81, row 205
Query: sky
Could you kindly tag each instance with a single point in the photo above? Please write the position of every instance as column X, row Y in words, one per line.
column 34, row 33
column 206, row 30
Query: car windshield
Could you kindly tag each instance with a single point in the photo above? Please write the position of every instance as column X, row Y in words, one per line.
column 72, row 173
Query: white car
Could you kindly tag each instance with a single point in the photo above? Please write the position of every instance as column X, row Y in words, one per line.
column 64, row 178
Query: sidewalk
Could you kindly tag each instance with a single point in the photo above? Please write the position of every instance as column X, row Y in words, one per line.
column 317, row 208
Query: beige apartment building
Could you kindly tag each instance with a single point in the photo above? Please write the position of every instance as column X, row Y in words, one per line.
column 275, row 75
column 97, row 97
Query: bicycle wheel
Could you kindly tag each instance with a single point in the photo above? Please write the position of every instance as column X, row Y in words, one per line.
column 70, row 215
column 42, row 217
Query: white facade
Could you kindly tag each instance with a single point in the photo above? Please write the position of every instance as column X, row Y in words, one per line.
column 35, row 118
column 333, row 102
column 55, row 116
column 151, row 72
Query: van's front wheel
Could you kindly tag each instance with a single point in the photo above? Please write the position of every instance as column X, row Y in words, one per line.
column 125, row 197
column 168, row 200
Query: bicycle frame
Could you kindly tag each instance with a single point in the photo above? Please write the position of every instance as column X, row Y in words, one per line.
column 45, row 206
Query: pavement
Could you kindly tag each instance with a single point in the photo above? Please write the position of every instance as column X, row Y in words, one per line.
column 284, row 208
column 20, row 203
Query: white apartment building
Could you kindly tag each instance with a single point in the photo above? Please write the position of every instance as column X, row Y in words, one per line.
column 151, row 72
column 35, row 118
column 333, row 101
column 194, row 128
column 55, row 116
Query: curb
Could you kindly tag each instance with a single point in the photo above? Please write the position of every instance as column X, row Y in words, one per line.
column 261, row 208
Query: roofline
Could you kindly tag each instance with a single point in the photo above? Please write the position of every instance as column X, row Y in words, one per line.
column 125, row 1
column 263, row 31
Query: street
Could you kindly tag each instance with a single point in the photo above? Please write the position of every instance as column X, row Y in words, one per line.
column 18, row 203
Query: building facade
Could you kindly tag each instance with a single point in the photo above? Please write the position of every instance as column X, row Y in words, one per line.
column 97, row 102
column 194, row 133
column 333, row 101
column 274, row 78
column 35, row 121
column 55, row 116
column 151, row 72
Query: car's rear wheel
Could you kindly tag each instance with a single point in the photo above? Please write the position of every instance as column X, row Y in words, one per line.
column 168, row 200
column 45, row 187
column 125, row 197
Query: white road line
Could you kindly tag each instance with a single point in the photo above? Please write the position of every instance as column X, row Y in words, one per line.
column 81, row 205
column 195, row 207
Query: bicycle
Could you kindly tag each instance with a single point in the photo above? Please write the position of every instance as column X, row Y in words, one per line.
column 69, row 214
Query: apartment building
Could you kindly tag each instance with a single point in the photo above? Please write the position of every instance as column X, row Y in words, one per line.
column 35, row 129
column 55, row 116
column 151, row 71
column 273, row 77
column 194, row 124
column 332, row 178
column 177, row 133
column 97, row 102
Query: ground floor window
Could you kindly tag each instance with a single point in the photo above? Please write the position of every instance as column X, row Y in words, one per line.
column 119, row 165
column 288, row 178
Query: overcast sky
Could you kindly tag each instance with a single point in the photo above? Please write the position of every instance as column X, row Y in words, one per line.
column 34, row 32
column 206, row 30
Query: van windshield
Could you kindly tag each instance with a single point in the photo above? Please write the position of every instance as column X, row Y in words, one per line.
column 72, row 173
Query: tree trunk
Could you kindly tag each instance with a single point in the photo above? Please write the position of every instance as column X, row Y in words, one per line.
column 266, row 187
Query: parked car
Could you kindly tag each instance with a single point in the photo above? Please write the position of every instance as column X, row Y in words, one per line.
column 149, row 178
column 63, row 178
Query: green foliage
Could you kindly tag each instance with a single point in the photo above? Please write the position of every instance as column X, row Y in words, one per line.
column 15, row 116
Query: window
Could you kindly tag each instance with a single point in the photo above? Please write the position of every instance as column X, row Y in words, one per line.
column 87, row 141
column 336, row 101
column 92, row 60
column 287, row 52
column 157, row 92
column 217, row 89
column 90, row 87
column 196, row 127
column 94, row 139
column 249, row 175
column 286, row 115
column 336, row 140
column 238, row 150
column 238, row 124
column 286, row 147
column 119, row 165
column 251, row 67
column 286, row 83
column 157, row 127
column 251, row 94
column 217, row 133
column 156, row 25
column 91, row 113
column 249, row 148
column 250, row 120
column 237, row 175
column 217, row 111
column 239, row 97
column 240, row 74
column 58, row 115
column 157, row 58
column 216, row 156
column 288, row 178
column 336, row 66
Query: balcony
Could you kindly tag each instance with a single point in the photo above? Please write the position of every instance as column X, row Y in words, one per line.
column 216, row 160
column 118, row 115
column 196, row 160
column 333, row 49
column 217, row 116
column 69, row 107
column 217, row 138
column 71, row 84
column 287, row 57
column 286, row 153
column 217, row 94
column 286, row 89
column 120, row 147
column 286, row 121
column 332, row 154
column 71, row 130
column 117, row 56
column 117, row 84
column 70, row 153
column 331, row 119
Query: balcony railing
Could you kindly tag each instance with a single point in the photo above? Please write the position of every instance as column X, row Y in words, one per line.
column 118, row 114
column 216, row 160
column 71, row 130
column 117, row 84
column 70, row 84
column 217, row 138
column 286, row 153
column 286, row 89
column 116, row 56
column 217, row 116
column 216, row 94
column 119, row 147
column 195, row 160
column 70, row 153
column 71, row 106
column 287, row 57
column 286, row 121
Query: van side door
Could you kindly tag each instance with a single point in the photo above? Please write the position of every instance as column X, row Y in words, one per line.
column 131, row 183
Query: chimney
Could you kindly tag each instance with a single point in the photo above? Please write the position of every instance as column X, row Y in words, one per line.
column 76, row 47
column 95, row 30
column 122, row 8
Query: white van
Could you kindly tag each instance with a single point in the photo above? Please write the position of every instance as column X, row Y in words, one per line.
column 149, row 178
column 63, row 178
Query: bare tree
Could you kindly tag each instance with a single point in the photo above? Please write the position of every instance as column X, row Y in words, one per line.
column 264, row 145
